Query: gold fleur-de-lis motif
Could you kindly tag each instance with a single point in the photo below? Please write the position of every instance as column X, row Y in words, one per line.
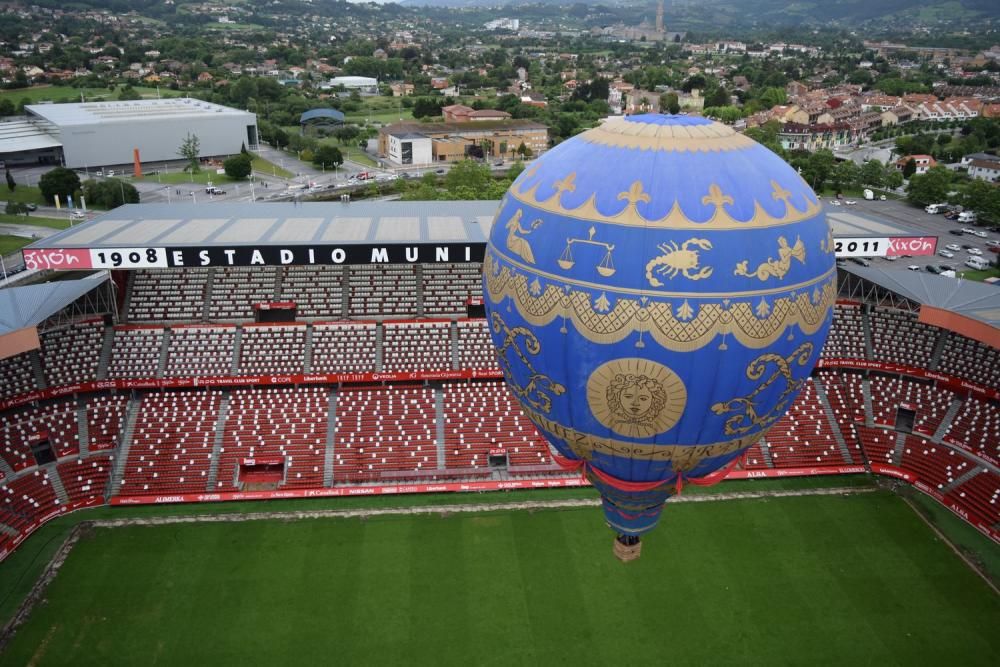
column 779, row 193
column 634, row 195
column 565, row 184
column 762, row 309
column 684, row 311
column 535, row 287
column 601, row 304
column 715, row 197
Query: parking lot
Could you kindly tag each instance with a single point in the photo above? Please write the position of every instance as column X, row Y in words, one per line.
column 911, row 219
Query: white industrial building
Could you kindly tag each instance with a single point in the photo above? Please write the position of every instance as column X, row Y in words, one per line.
column 94, row 134
column 362, row 84
column 409, row 148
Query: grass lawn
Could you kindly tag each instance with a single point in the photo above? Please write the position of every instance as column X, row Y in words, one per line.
column 980, row 275
column 177, row 177
column 54, row 223
column 11, row 244
column 818, row 579
column 267, row 167
column 26, row 194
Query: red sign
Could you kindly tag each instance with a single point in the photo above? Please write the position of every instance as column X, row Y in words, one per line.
column 912, row 245
column 56, row 258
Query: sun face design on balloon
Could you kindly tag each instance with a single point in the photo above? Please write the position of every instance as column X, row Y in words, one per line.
column 636, row 397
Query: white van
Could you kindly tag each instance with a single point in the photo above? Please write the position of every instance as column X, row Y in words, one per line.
column 967, row 216
column 934, row 209
column 978, row 263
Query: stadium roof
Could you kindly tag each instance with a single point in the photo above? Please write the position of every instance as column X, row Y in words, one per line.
column 28, row 306
column 22, row 135
column 975, row 300
column 238, row 224
column 90, row 113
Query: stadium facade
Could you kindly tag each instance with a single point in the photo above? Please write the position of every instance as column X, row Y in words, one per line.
column 95, row 134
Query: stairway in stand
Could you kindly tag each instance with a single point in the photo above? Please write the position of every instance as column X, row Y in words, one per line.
column 220, row 432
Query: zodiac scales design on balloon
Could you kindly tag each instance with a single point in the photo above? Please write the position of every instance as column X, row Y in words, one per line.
column 663, row 307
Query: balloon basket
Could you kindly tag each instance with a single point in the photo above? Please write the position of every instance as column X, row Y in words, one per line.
column 627, row 552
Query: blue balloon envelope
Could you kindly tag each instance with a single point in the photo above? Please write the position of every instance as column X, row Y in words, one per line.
column 658, row 289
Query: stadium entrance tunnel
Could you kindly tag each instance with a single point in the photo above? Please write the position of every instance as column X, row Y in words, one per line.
column 261, row 474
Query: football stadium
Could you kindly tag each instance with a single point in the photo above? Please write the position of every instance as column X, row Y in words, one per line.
column 415, row 432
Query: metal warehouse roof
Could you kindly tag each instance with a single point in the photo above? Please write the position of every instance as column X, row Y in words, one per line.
column 89, row 113
column 225, row 224
column 28, row 306
column 22, row 135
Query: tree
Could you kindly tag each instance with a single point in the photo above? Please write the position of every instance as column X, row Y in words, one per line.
column 190, row 150
column 872, row 173
column 6, row 107
column 930, row 188
column 669, row 103
column 523, row 150
column 515, row 170
column 16, row 208
column 893, row 178
column 845, row 175
column 717, row 98
column 239, row 166
column 470, row 175
column 909, row 168
column 328, row 156
column 110, row 193
column 59, row 181
column 426, row 107
column 10, row 180
column 817, row 168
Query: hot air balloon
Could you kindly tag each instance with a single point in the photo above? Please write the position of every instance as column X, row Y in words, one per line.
column 658, row 289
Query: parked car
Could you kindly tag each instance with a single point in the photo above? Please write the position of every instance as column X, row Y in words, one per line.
column 212, row 190
column 951, row 215
column 975, row 251
column 953, row 247
column 981, row 234
column 850, row 202
column 933, row 269
column 968, row 230
column 913, row 267
column 77, row 216
column 31, row 207
column 946, row 253
column 861, row 260
column 956, row 232
column 835, row 202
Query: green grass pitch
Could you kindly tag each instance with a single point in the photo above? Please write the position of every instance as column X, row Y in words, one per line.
column 839, row 580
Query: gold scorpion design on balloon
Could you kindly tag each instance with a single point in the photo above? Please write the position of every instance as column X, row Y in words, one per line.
column 678, row 259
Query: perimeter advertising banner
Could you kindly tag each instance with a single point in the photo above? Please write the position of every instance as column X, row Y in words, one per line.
column 70, row 259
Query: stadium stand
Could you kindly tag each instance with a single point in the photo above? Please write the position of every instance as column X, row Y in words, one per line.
column 135, row 353
column 317, row 292
column 484, row 416
column 475, row 347
column 390, row 428
column 71, row 353
column 344, row 347
column 16, row 376
column 847, row 334
column 930, row 403
column 897, row 337
column 447, row 288
column 273, row 349
column 196, row 440
column 200, row 350
column 235, row 290
column 416, row 346
column 158, row 295
column 172, row 443
column 382, row 291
